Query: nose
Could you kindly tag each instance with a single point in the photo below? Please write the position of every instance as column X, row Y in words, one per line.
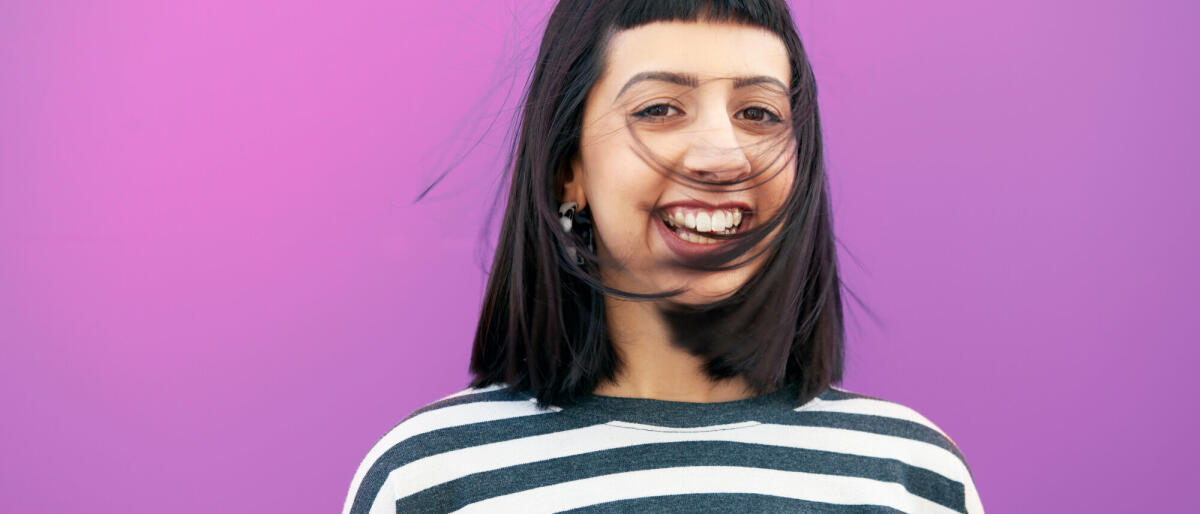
column 714, row 154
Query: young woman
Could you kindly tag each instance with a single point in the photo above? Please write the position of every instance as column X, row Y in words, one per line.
column 662, row 326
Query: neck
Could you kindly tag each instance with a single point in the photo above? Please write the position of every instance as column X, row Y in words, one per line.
column 654, row 368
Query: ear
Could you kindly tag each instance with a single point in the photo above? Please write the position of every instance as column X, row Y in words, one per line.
column 571, row 177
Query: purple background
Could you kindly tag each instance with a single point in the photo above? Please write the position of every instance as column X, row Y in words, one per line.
column 216, row 292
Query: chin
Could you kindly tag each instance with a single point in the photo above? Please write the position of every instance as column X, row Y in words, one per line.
column 707, row 291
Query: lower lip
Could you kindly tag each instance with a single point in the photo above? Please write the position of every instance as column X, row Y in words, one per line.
column 685, row 249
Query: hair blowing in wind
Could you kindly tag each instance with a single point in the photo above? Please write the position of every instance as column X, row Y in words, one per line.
column 542, row 327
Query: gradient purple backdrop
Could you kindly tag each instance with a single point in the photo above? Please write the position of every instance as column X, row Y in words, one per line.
column 216, row 292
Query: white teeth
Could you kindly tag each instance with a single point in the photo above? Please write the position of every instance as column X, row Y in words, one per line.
column 690, row 222
column 695, row 238
column 718, row 221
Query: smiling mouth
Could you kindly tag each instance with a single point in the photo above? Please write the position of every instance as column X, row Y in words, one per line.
column 689, row 224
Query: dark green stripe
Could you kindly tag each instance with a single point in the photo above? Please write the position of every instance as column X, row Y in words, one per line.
column 480, row 486
column 454, row 438
column 727, row 502
column 865, row 423
column 499, row 395
column 834, row 394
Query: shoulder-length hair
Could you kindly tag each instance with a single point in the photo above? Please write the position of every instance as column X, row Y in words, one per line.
column 542, row 327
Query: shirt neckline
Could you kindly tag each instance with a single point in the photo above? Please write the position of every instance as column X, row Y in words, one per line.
column 681, row 414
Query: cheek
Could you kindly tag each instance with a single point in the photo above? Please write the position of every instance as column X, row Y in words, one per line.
column 619, row 192
column 619, row 220
column 775, row 192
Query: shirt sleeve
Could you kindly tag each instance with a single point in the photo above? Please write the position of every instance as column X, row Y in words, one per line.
column 972, row 501
column 970, row 494
column 365, row 500
column 369, row 491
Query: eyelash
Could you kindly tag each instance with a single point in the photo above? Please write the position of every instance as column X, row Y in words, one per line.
column 774, row 118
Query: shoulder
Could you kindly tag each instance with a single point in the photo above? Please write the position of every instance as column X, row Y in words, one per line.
column 883, row 428
column 873, row 409
column 451, row 422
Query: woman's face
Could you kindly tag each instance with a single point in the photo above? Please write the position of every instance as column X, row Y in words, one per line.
column 708, row 100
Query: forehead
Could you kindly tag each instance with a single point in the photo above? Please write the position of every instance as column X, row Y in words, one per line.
column 707, row 50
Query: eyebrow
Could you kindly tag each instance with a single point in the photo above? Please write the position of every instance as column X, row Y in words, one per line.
column 690, row 80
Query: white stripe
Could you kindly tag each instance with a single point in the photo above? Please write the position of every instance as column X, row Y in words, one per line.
column 834, row 489
column 708, row 428
column 472, row 390
column 384, row 503
column 444, row 467
column 889, row 409
column 974, row 505
column 870, row 407
column 445, row 417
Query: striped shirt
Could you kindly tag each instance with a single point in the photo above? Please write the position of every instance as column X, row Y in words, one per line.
column 493, row 449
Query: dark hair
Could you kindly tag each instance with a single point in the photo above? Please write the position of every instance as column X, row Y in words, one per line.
column 542, row 327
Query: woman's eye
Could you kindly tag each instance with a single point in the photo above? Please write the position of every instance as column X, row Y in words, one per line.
column 760, row 115
column 654, row 111
column 658, row 112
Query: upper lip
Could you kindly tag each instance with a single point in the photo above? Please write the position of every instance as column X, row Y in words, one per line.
column 705, row 205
